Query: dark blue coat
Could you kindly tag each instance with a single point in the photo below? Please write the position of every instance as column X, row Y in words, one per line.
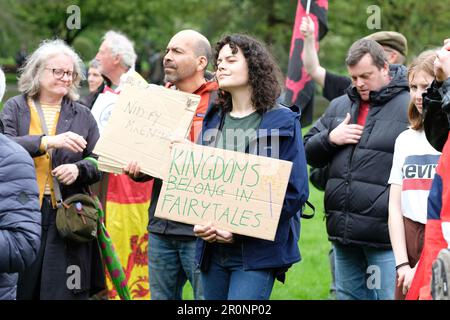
column 284, row 251
column 20, row 215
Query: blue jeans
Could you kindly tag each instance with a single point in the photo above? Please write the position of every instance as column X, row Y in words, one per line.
column 171, row 263
column 364, row 273
column 226, row 278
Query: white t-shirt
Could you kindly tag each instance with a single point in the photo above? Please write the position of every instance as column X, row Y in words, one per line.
column 413, row 167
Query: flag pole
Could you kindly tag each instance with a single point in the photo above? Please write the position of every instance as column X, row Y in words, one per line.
column 308, row 6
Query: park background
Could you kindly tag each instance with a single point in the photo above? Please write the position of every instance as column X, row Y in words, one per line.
column 151, row 23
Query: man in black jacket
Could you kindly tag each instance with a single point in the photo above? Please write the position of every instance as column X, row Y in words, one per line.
column 356, row 137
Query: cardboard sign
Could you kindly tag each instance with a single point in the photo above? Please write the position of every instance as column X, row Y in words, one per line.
column 238, row 192
column 141, row 125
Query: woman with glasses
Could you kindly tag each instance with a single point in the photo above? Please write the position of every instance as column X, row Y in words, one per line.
column 59, row 134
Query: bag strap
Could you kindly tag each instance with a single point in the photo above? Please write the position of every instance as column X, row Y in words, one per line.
column 56, row 188
column 309, row 216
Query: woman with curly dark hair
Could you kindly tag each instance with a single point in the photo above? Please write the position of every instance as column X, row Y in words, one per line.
column 248, row 119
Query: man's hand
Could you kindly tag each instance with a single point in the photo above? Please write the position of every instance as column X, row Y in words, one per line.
column 307, row 27
column 174, row 140
column 346, row 133
column 67, row 140
column 133, row 170
column 442, row 62
column 66, row 173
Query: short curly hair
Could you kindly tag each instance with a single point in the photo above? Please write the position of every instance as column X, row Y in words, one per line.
column 264, row 74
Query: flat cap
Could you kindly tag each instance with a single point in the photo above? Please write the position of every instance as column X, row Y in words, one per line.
column 392, row 39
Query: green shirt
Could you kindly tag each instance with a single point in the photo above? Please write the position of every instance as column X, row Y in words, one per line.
column 238, row 132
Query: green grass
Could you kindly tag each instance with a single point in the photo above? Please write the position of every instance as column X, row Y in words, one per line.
column 310, row 278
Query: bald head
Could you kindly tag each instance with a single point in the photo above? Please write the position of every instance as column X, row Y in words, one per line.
column 186, row 59
column 196, row 41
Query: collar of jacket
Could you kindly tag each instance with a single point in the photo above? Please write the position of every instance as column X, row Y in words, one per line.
column 66, row 116
column 278, row 121
column 398, row 83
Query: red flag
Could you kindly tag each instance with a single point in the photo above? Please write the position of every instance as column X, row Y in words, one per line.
column 299, row 85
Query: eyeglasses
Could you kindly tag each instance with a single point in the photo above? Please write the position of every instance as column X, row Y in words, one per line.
column 59, row 73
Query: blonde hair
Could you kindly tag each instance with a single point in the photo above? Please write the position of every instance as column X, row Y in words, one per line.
column 424, row 62
column 31, row 73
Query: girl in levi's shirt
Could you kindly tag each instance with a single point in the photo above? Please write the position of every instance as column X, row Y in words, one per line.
column 412, row 172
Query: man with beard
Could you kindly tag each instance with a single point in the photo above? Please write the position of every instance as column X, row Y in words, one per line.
column 171, row 245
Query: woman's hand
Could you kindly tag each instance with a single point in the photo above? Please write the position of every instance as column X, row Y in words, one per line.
column 207, row 233
column 405, row 277
column 223, row 236
column 67, row 140
column 409, row 276
column 66, row 173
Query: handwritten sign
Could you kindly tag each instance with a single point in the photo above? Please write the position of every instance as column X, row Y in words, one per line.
column 141, row 125
column 238, row 192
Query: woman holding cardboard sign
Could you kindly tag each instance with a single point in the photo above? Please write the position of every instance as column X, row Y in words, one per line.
column 234, row 266
column 59, row 134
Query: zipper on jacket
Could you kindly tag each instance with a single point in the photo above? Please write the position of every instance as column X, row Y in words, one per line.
column 348, row 179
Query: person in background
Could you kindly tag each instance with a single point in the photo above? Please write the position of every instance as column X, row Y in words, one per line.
column 395, row 47
column 96, row 84
column 49, row 86
column 413, row 169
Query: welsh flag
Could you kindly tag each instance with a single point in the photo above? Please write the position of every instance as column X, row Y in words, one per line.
column 126, row 215
column 127, row 205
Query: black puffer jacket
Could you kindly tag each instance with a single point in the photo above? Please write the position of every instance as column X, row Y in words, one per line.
column 357, row 191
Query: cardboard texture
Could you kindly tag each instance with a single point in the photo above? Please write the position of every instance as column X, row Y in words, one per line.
column 141, row 125
column 238, row 192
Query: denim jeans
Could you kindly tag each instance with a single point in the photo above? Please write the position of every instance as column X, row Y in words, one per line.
column 171, row 263
column 364, row 273
column 226, row 278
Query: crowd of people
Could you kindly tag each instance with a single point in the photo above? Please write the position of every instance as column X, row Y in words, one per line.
column 382, row 139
